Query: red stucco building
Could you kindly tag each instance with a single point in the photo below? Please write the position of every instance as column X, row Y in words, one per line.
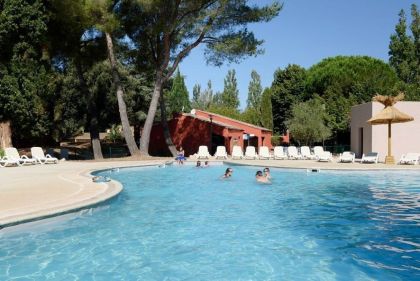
column 190, row 130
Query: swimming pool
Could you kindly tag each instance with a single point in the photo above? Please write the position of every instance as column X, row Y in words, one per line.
column 184, row 223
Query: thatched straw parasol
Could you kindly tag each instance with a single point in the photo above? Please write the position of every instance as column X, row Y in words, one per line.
column 388, row 116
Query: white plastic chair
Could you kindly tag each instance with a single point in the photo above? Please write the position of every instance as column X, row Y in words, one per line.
column 279, row 153
column 347, row 157
column 306, row 153
column 264, row 153
column 292, row 153
column 38, row 155
column 203, row 152
column 325, row 156
column 220, row 153
column 371, row 157
column 237, row 152
column 410, row 159
column 250, row 153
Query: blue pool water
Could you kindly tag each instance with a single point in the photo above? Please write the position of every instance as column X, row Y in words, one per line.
column 184, row 223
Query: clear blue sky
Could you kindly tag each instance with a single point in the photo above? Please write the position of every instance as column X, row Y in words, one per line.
column 305, row 32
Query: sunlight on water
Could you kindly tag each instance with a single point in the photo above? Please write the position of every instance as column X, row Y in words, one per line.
column 184, row 223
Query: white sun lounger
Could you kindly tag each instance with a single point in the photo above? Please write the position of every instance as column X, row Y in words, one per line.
column 347, row 157
column 237, row 152
column 371, row 157
column 318, row 150
column 279, row 153
column 325, row 156
column 264, row 153
column 220, row 153
column 12, row 157
column 292, row 153
column 5, row 161
column 410, row 159
column 306, row 153
column 250, row 153
column 203, row 152
column 38, row 155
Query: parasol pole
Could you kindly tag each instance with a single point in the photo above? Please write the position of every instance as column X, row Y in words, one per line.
column 389, row 138
column 389, row 159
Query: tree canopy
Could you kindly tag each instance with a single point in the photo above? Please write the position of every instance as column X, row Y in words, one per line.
column 162, row 33
column 404, row 53
column 307, row 123
column 343, row 81
column 178, row 98
column 288, row 88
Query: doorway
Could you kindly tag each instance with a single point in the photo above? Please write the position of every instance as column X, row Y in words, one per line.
column 216, row 140
column 360, row 150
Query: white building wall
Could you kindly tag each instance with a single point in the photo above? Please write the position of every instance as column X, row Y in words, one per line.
column 359, row 115
column 405, row 136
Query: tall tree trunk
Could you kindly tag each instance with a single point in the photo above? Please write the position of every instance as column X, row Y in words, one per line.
column 165, row 127
column 145, row 136
column 5, row 134
column 128, row 134
column 93, row 115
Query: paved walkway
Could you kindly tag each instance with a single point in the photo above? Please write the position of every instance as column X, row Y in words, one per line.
column 30, row 192
column 37, row 191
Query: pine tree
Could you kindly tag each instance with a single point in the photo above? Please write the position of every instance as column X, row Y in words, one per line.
column 404, row 53
column 254, row 92
column 230, row 96
column 401, row 50
column 202, row 99
column 266, row 109
column 178, row 99
column 196, row 96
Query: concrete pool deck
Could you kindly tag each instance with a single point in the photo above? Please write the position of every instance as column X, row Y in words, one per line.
column 31, row 192
column 35, row 191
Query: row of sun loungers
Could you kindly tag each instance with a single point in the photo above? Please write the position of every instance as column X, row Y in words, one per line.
column 279, row 153
column 12, row 157
column 305, row 153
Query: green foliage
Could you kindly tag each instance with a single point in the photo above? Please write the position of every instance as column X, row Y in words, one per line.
column 287, row 89
column 196, row 96
column 229, row 98
column 27, row 86
column 404, row 54
column 266, row 110
column 276, row 140
column 70, row 112
column 343, row 82
column 254, row 91
column 115, row 133
column 178, row 97
column 225, row 111
column 307, row 124
column 252, row 116
column 202, row 99
column 1, row 153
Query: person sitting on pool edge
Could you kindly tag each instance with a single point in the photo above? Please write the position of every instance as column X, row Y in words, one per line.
column 228, row 173
column 260, row 177
column 180, row 158
column 267, row 174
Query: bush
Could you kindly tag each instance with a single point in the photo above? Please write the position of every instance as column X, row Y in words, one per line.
column 1, row 152
column 115, row 133
column 276, row 140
